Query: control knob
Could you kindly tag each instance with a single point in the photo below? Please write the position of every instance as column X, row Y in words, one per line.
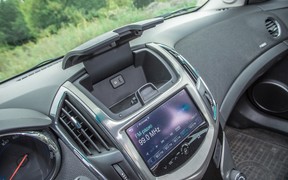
column 185, row 149
column 237, row 175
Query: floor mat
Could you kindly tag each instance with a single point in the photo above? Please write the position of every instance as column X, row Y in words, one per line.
column 259, row 154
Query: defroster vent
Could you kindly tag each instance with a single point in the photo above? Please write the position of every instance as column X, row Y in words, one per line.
column 79, row 128
column 273, row 27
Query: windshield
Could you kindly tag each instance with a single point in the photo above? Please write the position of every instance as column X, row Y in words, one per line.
column 32, row 31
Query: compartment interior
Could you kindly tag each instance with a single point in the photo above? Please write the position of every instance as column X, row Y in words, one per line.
column 137, row 82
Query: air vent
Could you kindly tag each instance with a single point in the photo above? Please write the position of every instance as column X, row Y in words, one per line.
column 273, row 27
column 79, row 128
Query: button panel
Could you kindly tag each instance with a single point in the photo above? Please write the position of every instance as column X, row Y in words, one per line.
column 182, row 152
column 121, row 173
column 117, row 81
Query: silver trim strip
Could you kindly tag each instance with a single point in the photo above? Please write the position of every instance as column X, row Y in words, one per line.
column 53, row 112
column 192, row 169
column 197, row 76
column 214, row 106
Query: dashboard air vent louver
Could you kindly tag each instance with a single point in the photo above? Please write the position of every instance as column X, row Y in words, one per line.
column 79, row 128
column 273, row 27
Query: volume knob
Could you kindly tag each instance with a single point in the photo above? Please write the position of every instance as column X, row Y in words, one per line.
column 185, row 149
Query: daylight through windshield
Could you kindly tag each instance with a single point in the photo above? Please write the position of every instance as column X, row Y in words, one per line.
column 32, row 31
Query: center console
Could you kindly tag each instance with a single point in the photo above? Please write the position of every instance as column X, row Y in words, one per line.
column 145, row 113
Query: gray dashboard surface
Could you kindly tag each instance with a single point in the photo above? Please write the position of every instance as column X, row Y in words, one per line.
column 15, row 119
column 220, row 52
column 72, row 167
column 37, row 90
column 220, row 47
column 220, row 44
column 249, row 75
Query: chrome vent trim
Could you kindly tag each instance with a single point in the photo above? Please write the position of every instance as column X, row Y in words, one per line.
column 273, row 27
column 191, row 71
column 79, row 128
column 200, row 84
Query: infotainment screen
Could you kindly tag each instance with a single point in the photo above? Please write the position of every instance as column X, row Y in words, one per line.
column 160, row 131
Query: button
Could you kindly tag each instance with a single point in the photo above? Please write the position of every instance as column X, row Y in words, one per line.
column 185, row 149
column 117, row 81
column 120, row 172
column 134, row 100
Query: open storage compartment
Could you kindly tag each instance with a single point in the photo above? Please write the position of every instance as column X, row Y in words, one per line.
column 122, row 81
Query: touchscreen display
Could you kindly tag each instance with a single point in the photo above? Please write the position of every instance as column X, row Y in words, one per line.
column 159, row 132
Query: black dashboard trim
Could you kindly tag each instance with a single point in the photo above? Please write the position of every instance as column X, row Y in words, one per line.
column 248, row 76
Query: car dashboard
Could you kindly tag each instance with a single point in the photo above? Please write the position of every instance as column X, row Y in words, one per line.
column 146, row 101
